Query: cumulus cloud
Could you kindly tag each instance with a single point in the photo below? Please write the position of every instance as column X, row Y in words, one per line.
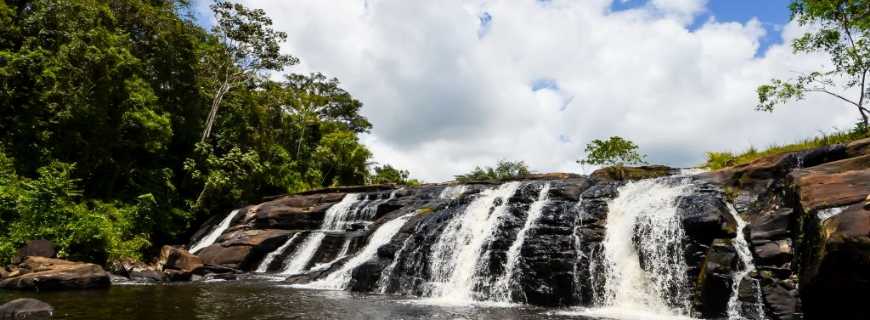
column 452, row 84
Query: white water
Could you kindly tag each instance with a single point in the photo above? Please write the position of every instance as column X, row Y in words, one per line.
column 644, row 210
column 340, row 213
column 303, row 254
column 264, row 266
column 452, row 192
column 340, row 279
column 456, row 255
column 745, row 255
column 829, row 213
column 384, row 280
column 507, row 281
column 214, row 234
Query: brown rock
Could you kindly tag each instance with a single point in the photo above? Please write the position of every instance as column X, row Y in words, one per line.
column 243, row 249
column 832, row 184
column 25, row 309
column 40, row 273
column 624, row 173
column 294, row 212
column 172, row 258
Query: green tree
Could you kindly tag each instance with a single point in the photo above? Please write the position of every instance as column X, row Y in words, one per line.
column 613, row 151
column 503, row 170
column 386, row 174
column 249, row 47
column 840, row 31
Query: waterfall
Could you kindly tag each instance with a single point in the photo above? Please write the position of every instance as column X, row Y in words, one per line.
column 452, row 192
column 264, row 266
column 507, row 281
column 341, row 278
column 214, row 234
column 455, row 256
column 645, row 271
column 345, row 249
column 340, row 213
column 384, row 280
column 299, row 259
column 745, row 255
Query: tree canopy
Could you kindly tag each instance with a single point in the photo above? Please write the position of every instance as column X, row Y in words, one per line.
column 104, row 103
column 840, row 31
column 503, row 170
column 613, row 151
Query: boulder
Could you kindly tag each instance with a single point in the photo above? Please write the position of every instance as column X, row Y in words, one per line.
column 25, row 309
column 835, row 273
column 243, row 249
column 36, row 248
column 40, row 273
column 832, row 184
column 172, row 258
column 774, row 253
column 715, row 280
column 705, row 216
column 624, row 173
column 772, row 226
column 302, row 212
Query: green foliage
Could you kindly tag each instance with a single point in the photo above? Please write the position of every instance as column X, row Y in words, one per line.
column 840, row 30
column 387, row 174
column 104, row 105
column 613, row 151
column 503, row 170
column 719, row 160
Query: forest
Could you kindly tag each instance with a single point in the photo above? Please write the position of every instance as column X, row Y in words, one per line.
column 124, row 123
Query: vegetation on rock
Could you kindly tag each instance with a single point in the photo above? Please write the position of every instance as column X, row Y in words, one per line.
column 615, row 151
column 503, row 170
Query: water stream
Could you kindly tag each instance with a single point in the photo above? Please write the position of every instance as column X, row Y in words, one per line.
column 214, row 234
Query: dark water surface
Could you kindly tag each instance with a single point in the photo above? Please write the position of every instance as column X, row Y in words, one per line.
column 251, row 299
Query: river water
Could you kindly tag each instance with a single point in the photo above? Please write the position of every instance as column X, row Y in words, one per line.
column 256, row 299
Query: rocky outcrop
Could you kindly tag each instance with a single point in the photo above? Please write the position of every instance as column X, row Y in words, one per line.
column 243, row 249
column 715, row 279
column 626, row 173
column 26, row 309
column 40, row 273
column 835, row 274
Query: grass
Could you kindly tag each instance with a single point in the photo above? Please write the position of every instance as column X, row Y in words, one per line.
column 719, row 160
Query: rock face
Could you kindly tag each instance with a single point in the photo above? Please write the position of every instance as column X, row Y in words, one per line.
column 802, row 216
column 835, row 277
column 39, row 273
column 26, row 309
column 243, row 249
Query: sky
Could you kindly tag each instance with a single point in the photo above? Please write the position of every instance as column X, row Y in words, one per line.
column 452, row 84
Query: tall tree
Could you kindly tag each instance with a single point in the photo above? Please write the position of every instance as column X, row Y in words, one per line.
column 613, row 151
column 840, row 30
column 250, row 47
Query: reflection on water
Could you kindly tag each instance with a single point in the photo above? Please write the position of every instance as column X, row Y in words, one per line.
column 251, row 299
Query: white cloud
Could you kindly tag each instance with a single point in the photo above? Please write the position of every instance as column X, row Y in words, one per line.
column 443, row 98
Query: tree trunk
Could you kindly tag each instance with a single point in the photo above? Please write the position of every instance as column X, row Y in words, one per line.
column 212, row 115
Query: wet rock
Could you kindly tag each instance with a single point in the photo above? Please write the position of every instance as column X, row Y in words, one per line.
column 782, row 300
column 40, row 273
column 148, row 276
column 835, row 273
column 26, row 309
column 773, row 226
column 716, row 280
column 774, row 253
column 36, row 248
column 705, row 216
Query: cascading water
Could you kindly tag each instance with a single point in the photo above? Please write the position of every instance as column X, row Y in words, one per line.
column 452, row 192
column 387, row 274
column 264, row 266
column 455, row 257
column 341, row 278
column 507, row 282
column 336, row 217
column 214, row 234
column 645, row 272
column 745, row 255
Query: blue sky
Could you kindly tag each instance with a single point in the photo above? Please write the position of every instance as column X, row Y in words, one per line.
column 773, row 14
